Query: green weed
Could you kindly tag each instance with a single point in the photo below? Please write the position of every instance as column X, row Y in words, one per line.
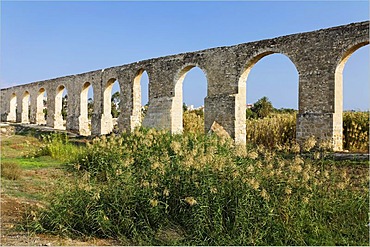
column 205, row 191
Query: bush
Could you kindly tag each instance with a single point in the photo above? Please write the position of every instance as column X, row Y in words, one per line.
column 10, row 170
column 57, row 146
column 209, row 192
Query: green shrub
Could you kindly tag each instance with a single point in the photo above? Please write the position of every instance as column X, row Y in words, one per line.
column 10, row 170
column 58, row 146
column 209, row 192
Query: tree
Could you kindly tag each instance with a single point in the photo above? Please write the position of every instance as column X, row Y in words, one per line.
column 115, row 104
column 64, row 106
column 90, row 107
column 263, row 107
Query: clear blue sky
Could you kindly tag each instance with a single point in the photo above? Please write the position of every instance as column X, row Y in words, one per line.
column 43, row 40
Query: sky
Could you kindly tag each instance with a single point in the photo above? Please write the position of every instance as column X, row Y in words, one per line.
column 48, row 39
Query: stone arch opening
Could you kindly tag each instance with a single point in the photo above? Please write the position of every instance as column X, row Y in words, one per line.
column 188, row 102
column 12, row 116
column 269, row 77
column 86, row 109
column 41, row 108
column 111, row 109
column 349, row 95
column 25, row 117
column 140, row 97
column 61, row 107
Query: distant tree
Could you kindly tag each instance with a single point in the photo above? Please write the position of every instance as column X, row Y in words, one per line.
column 285, row 110
column 90, row 107
column 184, row 107
column 115, row 104
column 263, row 107
column 64, row 106
column 250, row 114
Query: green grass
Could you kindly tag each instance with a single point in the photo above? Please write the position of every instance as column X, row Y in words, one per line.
column 155, row 188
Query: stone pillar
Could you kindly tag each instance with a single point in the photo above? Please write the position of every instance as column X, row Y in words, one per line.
column 73, row 112
column 220, row 117
column 33, row 110
column 317, row 116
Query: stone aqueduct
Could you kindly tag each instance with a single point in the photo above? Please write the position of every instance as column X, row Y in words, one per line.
column 319, row 57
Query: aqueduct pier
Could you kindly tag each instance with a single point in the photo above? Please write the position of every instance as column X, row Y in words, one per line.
column 319, row 57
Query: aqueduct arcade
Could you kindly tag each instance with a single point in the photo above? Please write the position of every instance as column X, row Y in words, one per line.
column 319, row 57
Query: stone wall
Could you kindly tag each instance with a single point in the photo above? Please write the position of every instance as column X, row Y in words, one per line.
column 319, row 57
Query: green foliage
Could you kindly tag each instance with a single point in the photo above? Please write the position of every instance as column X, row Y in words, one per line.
column 90, row 108
column 115, row 104
column 263, row 107
column 64, row 107
column 202, row 190
column 58, row 147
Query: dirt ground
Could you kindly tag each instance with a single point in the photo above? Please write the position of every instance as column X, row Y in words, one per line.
column 12, row 213
column 26, row 193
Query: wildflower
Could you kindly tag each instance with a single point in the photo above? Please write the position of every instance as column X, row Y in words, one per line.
column 309, row 144
column 96, row 196
column 166, row 192
column 296, row 168
column 305, row 200
column 298, row 161
column 295, row 148
column 105, row 218
column 241, row 151
column 154, row 185
column 265, row 195
column 155, row 165
column 254, row 183
column 145, row 184
column 153, row 202
column 316, row 155
column 213, row 190
column 305, row 176
column 190, row 200
column 288, row 190
column 253, row 155
column 176, row 147
column 341, row 186
column 118, row 172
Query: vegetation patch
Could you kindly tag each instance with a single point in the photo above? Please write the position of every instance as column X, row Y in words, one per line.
column 156, row 188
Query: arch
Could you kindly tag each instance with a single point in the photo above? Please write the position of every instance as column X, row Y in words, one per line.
column 25, row 107
column 338, row 94
column 41, row 106
column 60, row 111
column 108, row 119
column 177, row 103
column 241, row 97
column 12, row 115
column 84, row 123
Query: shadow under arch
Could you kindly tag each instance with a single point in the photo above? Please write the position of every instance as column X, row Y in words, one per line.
column 241, row 97
column 177, row 102
column 12, row 115
column 338, row 93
